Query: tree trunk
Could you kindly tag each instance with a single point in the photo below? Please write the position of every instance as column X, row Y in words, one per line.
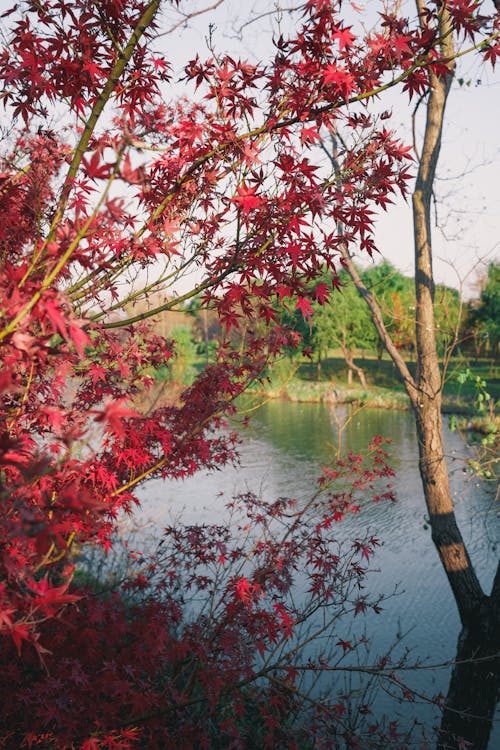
column 426, row 401
column 474, row 682
column 353, row 367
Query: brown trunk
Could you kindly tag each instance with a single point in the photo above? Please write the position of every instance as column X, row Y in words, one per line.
column 445, row 531
column 353, row 367
column 473, row 688
column 427, row 402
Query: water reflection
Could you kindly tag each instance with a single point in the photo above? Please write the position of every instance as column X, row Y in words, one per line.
column 281, row 455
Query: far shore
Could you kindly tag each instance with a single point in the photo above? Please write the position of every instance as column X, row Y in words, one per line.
column 373, row 397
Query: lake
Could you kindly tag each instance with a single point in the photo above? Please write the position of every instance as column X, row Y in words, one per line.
column 282, row 453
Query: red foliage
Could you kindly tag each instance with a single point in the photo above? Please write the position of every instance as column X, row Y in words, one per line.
column 206, row 638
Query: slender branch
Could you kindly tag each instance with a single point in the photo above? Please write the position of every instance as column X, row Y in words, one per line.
column 188, row 16
column 97, row 110
column 50, row 277
column 265, row 14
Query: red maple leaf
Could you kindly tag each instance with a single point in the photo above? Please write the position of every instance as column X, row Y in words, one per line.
column 113, row 415
column 322, row 292
column 247, row 198
column 340, row 79
column 305, row 308
column 345, row 38
column 96, row 169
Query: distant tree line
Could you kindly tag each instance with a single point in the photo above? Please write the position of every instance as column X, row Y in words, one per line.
column 343, row 322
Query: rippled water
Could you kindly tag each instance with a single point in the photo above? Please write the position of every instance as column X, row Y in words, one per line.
column 282, row 453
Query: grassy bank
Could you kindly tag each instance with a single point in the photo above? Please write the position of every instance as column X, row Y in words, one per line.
column 299, row 390
column 303, row 381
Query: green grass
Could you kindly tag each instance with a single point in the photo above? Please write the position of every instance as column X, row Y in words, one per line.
column 303, row 380
column 306, row 381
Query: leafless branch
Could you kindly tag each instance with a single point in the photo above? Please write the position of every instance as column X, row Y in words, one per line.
column 188, row 16
column 258, row 17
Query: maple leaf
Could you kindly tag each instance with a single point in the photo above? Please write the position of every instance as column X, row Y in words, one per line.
column 287, row 623
column 294, row 250
column 55, row 316
column 98, row 373
column 491, row 53
column 92, row 69
column 322, row 292
column 20, row 632
column 247, row 199
column 345, row 37
column 305, row 308
column 24, row 342
column 340, row 78
column 56, row 418
column 345, row 645
column 5, row 619
column 251, row 153
column 79, row 337
column 50, row 598
column 92, row 743
column 309, row 135
column 283, row 291
column 245, row 591
column 113, row 415
column 95, row 168
column 132, row 176
column 160, row 64
column 360, row 606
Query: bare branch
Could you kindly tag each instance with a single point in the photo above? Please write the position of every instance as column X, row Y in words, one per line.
column 188, row 16
column 277, row 9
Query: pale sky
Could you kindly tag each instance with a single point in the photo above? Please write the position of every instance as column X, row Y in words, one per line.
column 467, row 191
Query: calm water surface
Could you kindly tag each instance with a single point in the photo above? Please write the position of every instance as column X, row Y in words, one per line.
column 282, row 453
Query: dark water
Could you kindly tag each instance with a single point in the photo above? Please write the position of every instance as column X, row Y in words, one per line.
column 282, row 453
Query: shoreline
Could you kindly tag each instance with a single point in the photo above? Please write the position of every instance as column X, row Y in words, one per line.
column 297, row 390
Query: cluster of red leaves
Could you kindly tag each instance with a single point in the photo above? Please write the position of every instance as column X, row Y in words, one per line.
column 134, row 190
column 203, row 642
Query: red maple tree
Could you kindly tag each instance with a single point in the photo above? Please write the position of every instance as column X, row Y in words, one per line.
column 111, row 189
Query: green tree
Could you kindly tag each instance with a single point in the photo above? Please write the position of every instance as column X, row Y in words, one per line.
column 447, row 314
column 344, row 322
column 185, row 353
column 485, row 315
column 395, row 294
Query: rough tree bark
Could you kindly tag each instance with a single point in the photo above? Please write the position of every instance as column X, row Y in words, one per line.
column 474, row 684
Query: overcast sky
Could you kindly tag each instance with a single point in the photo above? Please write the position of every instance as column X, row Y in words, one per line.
column 467, row 191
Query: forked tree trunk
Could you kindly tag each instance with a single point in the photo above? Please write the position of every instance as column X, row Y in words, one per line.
column 353, row 367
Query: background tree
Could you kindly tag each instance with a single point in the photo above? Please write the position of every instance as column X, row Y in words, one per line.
column 395, row 295
column 484, row 315
column 344, row 322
